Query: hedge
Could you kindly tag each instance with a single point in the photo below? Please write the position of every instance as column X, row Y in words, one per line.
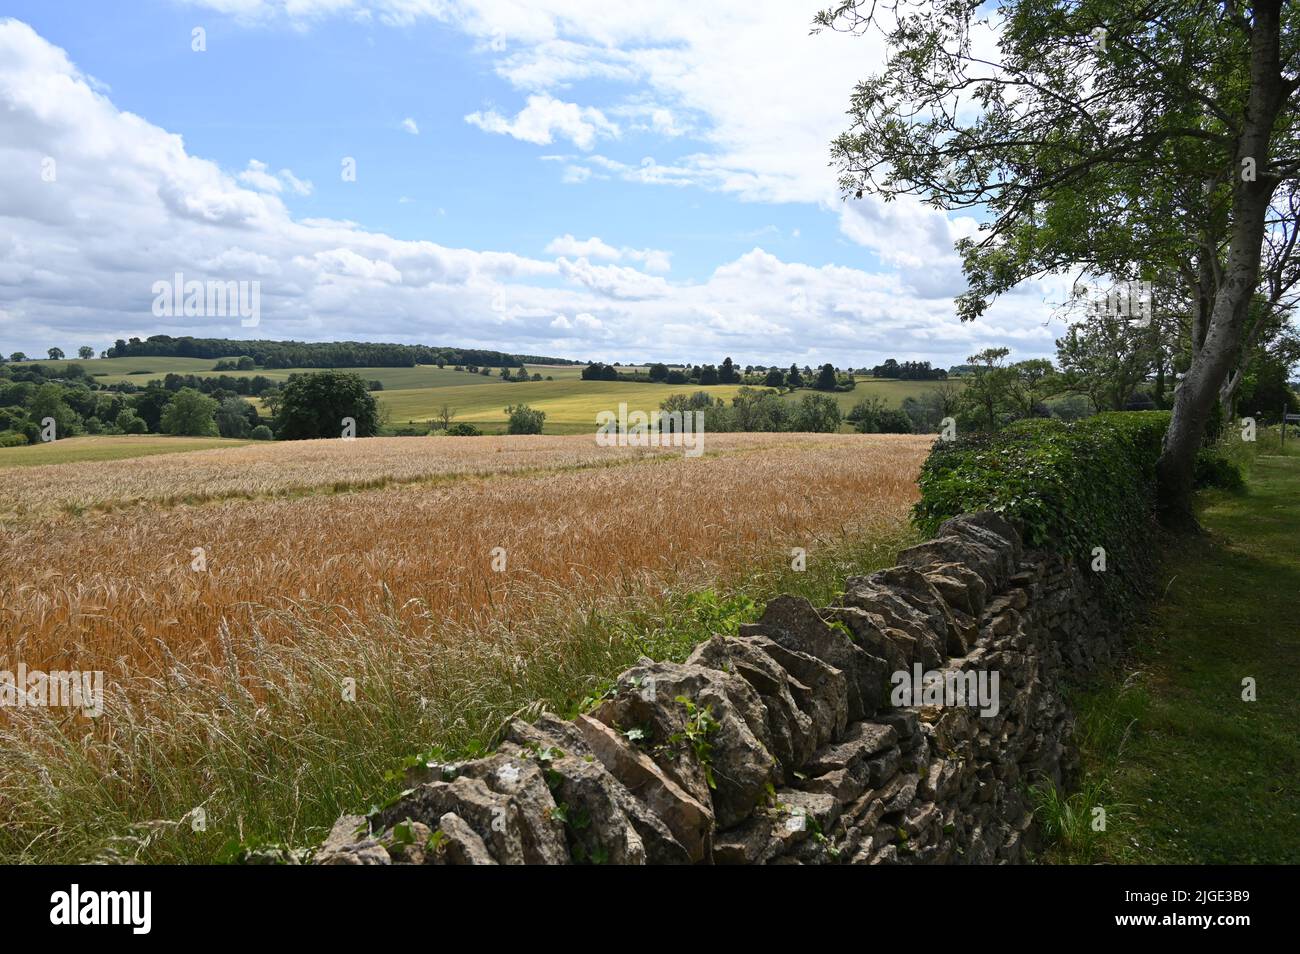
column 1069, row 487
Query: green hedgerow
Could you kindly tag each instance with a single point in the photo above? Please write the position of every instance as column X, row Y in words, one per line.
column 1069, row 487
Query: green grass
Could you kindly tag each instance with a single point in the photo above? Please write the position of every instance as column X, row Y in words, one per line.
column 890, row 391
column 140, row 371
column 106, row 447
column 571, row 404
column 1189, row 771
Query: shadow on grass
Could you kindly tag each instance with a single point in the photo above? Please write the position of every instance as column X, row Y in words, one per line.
column 1187, row 769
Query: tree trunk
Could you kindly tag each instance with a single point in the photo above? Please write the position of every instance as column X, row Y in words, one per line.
column 1194, row 399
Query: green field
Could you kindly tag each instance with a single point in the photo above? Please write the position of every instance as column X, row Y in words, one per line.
column 117, row 447
column 140, row 371
column 890, row 391
column 413, row 395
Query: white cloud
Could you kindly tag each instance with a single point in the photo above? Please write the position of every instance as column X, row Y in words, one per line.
column 544, row 118
column 747, row 81
column 409, row 125
column 130, row 206
column 653, row 260
column 258, row 176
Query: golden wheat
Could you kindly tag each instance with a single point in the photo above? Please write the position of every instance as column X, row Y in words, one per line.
column 106, row 586
column 223, row 683
column 305, row 466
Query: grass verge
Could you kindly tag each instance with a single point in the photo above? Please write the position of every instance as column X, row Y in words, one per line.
column 1187, row 771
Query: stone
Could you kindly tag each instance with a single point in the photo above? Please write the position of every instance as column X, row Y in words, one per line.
column 511, row 772
column 912, row 586
column 591, row 805
column 493, row 816
column 928, row 644
column 410, row 848
column 819, row 689
column 344, row 846
column 458, row 844
column 718, row 752
column 796, row 624
column 962, row 588
column 793, row 734
column 861, row 741
column 690, row 822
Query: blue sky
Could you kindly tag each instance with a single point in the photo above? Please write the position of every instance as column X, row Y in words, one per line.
column 547, row 177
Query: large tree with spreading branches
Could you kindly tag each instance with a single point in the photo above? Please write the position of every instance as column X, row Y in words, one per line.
column 1154, row 141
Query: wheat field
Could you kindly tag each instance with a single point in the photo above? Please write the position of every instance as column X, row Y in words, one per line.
column 451, row 581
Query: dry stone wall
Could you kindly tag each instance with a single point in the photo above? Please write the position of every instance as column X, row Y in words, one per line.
column 903, row 725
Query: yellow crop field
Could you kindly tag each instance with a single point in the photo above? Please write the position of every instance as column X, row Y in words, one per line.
column 571, row 402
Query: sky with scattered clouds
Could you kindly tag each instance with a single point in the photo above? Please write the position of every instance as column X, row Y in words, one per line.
column 575, row 178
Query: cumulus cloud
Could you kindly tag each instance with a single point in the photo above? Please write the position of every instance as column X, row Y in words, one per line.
column 409, row 125
column 259, row 176
column 652, row 259
column 130, row 206
column 544, row 118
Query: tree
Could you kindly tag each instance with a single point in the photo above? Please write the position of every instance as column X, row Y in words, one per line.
column 1106, row 359
column 755, row 410
column 17, row 357
column 129, row 422
column 989, row 384
column 443, row 416
column 819, row 413
column 316, row 405
column 1266, row 392
column 85, row 352
column 524, row 419
column 150, row 403
column 1029, row 383
column 48, row 403
column 235, row 417
column 774, row 378
column 794, row 379
column 658, row 372
column 191, row 414
column 825, row 378
column 727, row 374
column 56, row 354
column 1130, row 139
column 708, row 375
column 261, row 433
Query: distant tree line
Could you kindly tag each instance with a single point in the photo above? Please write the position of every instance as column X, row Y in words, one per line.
column 825, row 378
column 329, row 354
column 42, row 402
